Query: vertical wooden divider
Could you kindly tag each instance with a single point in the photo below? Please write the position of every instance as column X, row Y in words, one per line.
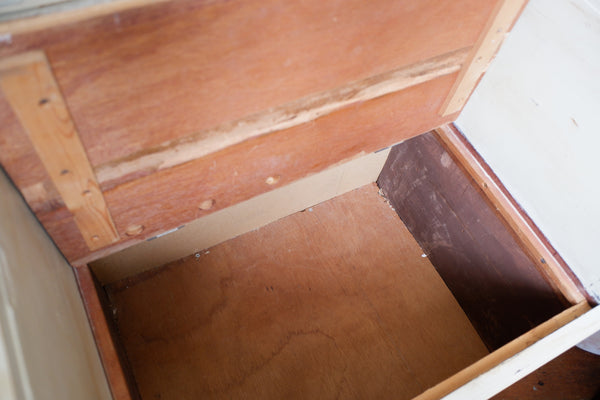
column 31, row 90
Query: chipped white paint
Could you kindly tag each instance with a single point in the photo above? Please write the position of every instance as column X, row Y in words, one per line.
column 534, row 118
column 6, row 38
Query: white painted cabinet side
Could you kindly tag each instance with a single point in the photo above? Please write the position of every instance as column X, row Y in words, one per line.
column 47, row 343
column 535, row 118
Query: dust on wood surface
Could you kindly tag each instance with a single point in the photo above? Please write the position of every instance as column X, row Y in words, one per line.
column 333, row 302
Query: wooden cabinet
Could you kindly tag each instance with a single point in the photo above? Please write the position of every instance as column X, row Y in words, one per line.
column 139, row 134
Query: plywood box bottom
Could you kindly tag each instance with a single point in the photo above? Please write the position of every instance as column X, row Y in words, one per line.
column 337, row 300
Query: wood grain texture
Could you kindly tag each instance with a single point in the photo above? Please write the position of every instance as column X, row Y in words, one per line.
column 516, row 359
column 137, row 79
column 171, row 197
column 115, row 364
column 572, row 376
column 501, row 20
column 191, row 147
column 240, row 218
column 542, row 253
column 333, row 302
column 188, row 66
column 483, row 264
column 29, row 86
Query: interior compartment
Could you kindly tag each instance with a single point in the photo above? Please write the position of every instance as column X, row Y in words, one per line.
column 134, row 131
column 335, row 301
column 339, row 300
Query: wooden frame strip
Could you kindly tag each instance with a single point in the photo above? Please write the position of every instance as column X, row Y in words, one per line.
column 498, row 25
column 545, row 257
column 120, row 386
column 180, row 151
column 517, row 359
column 31, row 90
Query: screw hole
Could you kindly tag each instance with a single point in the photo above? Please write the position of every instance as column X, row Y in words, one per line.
column 43, row 101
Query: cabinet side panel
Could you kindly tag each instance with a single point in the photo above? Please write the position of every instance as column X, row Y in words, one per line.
column 48, row 337
column 534, row 119
column 485, row 267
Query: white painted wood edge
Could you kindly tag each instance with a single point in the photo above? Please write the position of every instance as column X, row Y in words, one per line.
column 525, row 362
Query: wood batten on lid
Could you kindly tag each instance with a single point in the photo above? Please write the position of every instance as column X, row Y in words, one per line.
column 32, row 92
column 499, row 23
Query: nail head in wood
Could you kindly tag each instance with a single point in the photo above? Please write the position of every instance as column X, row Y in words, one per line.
column 272, row 180
column 133, row 230
column 207, row 204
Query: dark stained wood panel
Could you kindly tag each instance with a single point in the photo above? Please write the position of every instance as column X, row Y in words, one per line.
column 135, row 79
column 171, row 197
column 575, row 375
column 333, row 302
column 487, row 270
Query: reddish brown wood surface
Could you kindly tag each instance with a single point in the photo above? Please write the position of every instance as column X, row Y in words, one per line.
column 487, row 269
column 29, row 86
column 115, row 364
column 575, row 375
column 135, row 79
column 332, row 302
column 172, row 197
